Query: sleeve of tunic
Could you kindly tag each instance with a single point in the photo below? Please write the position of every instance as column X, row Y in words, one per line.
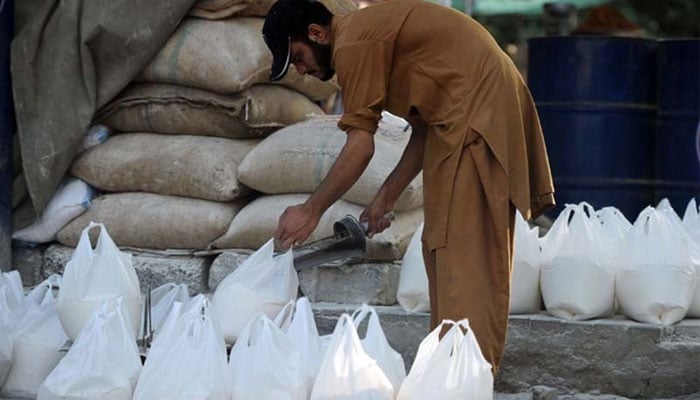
column 363, row 74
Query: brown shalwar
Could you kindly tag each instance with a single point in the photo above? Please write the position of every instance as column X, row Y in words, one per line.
column 484, row 152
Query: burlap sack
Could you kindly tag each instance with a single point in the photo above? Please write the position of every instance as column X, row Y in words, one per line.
column 297, row 158
column 161, row 108
column 256, row 223
column 154, row 221
column 219, row 9
column 200, row 167
column 224, row 56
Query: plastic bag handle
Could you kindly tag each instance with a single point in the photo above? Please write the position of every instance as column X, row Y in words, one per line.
column 284, row 317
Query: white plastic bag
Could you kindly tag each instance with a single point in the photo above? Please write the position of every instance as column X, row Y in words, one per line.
column 377, row 346
column 347, row 372
column 103, row 363
column 70, row 200
column 689, row 244
column 527, row 259
column 264, row 283
column 13, row 307
column 413, row 282
column 36, row 344
column 187, row 359
column 92, row 276
column 691, row 220
column 576, row 282
column 451, row 368
column 657, row 277
column 265, row 364
column 162, row 299
column 302, row 331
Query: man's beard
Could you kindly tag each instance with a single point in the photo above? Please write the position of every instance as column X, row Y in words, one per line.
column 322, row 57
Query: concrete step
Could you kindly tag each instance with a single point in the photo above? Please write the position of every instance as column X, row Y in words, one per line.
column 355, row 282
column 614, row 356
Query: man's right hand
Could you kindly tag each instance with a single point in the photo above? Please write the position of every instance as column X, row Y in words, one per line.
column 295, row 226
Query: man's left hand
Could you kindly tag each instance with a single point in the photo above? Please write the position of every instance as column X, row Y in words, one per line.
column 378, row 216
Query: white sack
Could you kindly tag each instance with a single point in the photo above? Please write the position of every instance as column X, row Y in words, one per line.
column 347, row 372
column 263, row 283
column 449, row 368
column 70, row 200
column 306, row 151
column 413, row 294
column 258, row 220
column 525, row 297
column 576, row 283
column 92, row 276
column 187, row 360
column 97, row 134
column 103, row 363
column 377, row 346
column 657, row 277
column 36, row 344
column 265, row 364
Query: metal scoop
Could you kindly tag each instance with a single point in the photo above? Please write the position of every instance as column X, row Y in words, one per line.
column 348, row 241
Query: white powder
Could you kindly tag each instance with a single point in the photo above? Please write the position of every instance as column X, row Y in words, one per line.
column 235, row 306
column 32, row 362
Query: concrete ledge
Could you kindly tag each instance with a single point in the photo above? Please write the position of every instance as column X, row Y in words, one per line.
column 371, row 283
column 614, row 356
column 362, row 282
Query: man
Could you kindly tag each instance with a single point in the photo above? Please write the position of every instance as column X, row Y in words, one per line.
column 475, row 134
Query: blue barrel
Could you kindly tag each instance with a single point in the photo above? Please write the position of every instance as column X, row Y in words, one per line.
column 677, row 129
column 7, row 128
column 596, row 99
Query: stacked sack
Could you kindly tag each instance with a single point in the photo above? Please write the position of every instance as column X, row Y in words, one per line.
column 184, row 126
column 291, row 163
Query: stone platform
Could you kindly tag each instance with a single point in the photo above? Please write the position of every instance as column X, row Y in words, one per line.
column 614, row 356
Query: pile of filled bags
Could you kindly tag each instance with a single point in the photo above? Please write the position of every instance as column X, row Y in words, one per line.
column 203, row 135
column 593, row 264
column 82, row 342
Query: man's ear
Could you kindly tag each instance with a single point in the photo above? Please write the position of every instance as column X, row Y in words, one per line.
column 318, row 34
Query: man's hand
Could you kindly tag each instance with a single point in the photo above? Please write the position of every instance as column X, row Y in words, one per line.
column 296, row 224
column 378, row 215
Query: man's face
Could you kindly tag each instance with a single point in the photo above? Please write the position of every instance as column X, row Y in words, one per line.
column 312, row 58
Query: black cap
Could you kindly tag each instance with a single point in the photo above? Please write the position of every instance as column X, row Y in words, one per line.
column 285, row 19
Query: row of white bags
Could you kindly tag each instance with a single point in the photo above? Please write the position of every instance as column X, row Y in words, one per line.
column 36, row 327
column 589, row 261
column 592, row 259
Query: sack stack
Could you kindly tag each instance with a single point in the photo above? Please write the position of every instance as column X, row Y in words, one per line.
column 291, row 163
column 183, row 127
